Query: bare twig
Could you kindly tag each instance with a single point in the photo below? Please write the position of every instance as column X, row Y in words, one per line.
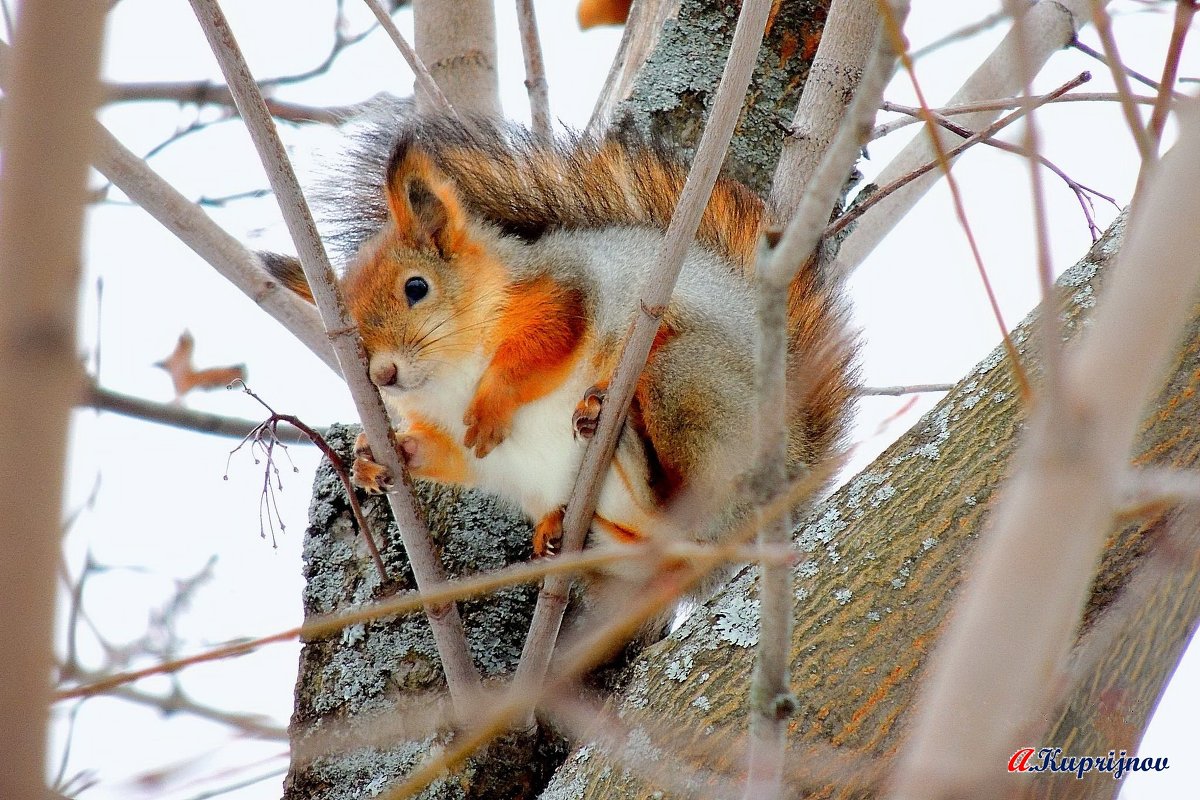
column 771, row 700
column 1132, row 73
column 1053, row 25
column 461, row 674
column 1185, row 10
column 897, row 391
column 429, row 91
column 940, row 148
column 879, row 195
column 604, row 635
column 198, row 231
column 702, row 559
column 103, row 399
column 202, row 93
column 1012, row 628
column 535, row 69
column 46, row 136
column 1081, row 192
column 1137, row 128
column 994, row 105
column 965, row 32
column 655, row 294
column 267, row 431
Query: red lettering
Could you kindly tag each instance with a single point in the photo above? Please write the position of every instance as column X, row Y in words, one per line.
column 1020, row 760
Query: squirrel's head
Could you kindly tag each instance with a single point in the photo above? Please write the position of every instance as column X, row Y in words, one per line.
column 424, row 288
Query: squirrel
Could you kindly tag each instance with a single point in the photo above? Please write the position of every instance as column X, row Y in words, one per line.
column 493, row 275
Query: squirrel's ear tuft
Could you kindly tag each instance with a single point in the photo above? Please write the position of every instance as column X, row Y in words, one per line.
column 287, row 270
column 423, row 202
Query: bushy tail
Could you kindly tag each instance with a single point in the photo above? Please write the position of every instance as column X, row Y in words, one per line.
column 527, row 185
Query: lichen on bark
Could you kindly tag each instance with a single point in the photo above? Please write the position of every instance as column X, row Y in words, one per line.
column 675, row 88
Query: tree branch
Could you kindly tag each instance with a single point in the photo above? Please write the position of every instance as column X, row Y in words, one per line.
column 456, row 40
column 655, row 294
column 461, row 674
column 535, row 69
column 50, row 100
column 429, row 94
column 846, row 44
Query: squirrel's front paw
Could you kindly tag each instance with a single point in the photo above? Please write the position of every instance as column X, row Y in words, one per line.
column 374, row 478
column 488, row 424
column 587, row 413
column 366, row 473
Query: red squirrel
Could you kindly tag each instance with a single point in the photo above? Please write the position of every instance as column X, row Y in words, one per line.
column 493, row 275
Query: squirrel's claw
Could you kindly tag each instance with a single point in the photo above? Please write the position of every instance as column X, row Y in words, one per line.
column 547, row 534
column 587, row 413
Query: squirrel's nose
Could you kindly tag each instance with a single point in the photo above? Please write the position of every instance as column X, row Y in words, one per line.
column 383, row 374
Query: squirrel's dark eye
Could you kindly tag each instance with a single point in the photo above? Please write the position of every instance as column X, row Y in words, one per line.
column 415, row 290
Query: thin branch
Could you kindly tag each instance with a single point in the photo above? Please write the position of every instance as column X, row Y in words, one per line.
column 898, row 391
column 965, row 32
column 268, row 431
column 938, row 145
column 535, row 69
column 1137, row 128
column 994, row 105
column 197, row 230
column 202, row 93
column 1132, row 73
column 239, row 785
column 103, row 399
column 701, row 558
column 859, row 208
column 655, row 294
column 1185, row 10
column 1081, row 191
column 770, row 697
column 1053, row 24
column 425, row 83
column 461, row 674
column 254, row 725
column 603, row 635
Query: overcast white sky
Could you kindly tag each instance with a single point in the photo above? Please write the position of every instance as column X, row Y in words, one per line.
column 163, row 508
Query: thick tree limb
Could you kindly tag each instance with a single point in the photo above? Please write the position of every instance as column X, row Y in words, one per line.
column 676, row 87
column 882, row 562
column 50, row 99
column 456, row 40
column 846, row 45
column 1060, row 501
